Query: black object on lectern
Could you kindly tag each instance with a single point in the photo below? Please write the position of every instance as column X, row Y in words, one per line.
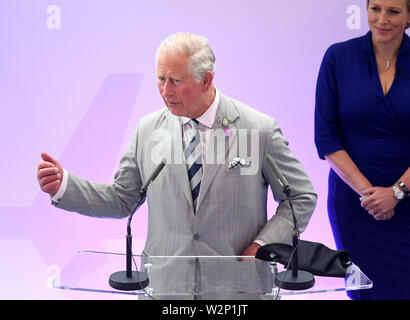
column 128, row 279
column 313, row 257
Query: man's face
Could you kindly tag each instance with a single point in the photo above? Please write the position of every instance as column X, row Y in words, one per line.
column 178, row 88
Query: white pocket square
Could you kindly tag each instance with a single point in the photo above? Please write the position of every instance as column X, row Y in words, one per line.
column 238, row 162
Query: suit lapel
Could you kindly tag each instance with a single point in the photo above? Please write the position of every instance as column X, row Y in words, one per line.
column 215, row 160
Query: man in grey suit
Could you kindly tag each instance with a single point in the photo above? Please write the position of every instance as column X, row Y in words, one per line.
column 220, row 206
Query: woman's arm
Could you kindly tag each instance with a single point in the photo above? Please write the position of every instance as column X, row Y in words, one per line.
column 347, row 170
column 377, row 201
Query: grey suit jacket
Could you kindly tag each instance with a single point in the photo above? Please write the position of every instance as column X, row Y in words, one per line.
column 232, row 207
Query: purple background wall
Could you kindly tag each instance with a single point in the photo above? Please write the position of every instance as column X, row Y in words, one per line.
column 76, row 77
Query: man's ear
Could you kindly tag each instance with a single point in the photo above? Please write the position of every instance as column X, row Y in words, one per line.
column 207, row 81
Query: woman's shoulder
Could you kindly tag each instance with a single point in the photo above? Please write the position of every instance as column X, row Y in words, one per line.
column 350, row 45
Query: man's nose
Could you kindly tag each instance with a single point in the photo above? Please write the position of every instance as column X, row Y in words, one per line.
column 167, row 89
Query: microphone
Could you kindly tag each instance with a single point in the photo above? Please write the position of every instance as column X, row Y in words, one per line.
column 283, row 183
column 153, row 175
column 298, row 279
column 279, row 176
column 128, row 279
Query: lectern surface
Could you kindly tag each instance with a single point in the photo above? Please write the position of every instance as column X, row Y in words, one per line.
column 187, row 277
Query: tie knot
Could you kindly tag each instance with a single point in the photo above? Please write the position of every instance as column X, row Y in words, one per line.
column 194, row 123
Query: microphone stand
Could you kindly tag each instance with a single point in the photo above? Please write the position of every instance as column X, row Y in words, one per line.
column 130, row 280
column 297, row 279
column 133, row 280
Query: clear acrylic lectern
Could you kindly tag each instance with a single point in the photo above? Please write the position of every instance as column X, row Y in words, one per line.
column 195, row 277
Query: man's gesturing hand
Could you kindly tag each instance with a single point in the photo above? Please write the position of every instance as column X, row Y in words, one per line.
column 49, row 174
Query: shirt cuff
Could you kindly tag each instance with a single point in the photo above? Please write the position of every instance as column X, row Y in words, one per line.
column 260, row 242
column 57, row 197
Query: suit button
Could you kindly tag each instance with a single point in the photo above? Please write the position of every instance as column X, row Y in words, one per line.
column 196, row 236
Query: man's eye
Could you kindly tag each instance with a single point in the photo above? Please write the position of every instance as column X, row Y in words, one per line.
column 375, row 8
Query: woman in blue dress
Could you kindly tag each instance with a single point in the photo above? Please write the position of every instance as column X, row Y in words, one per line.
column 362, row 128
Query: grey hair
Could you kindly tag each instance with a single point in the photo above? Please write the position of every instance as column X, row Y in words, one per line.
column 200, row 55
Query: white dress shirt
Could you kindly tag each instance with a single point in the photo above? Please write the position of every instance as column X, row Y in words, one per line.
column 206, row 122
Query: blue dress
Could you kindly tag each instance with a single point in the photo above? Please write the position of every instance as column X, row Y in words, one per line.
column 352, row 113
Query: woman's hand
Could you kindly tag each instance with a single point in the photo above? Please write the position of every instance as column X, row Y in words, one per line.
column 379, row 202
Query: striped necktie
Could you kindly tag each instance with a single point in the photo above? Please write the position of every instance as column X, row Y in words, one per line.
column 193, row 156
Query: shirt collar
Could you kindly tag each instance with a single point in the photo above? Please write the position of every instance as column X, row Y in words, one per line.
column 367, row 42
column 405, row 45
column 208, row 117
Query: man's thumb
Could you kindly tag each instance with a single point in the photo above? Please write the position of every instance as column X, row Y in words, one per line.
column 46, row 157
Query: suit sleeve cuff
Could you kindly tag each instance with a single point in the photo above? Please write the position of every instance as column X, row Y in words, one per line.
column 57, row 197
